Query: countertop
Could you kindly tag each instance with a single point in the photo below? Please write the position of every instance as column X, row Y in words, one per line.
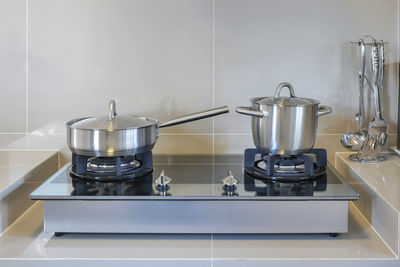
column 383, row 177
column 25, row 240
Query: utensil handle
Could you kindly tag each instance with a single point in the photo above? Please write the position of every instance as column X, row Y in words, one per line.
column 375, row 82
column 323, row 110
column 361, row 112
column 250, row 112
column 282, row 85
column 113, row 110
column 381, row 72
column 195, row 116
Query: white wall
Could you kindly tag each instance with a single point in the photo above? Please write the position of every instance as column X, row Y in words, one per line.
column 165, row 58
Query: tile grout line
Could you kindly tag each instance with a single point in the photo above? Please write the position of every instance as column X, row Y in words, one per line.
column 20, row 217
column 398, row 51
column 370, row 185
column 186, row 134
column 213, row 121
column 213, row 77
column 27, row 69
column 373, row 228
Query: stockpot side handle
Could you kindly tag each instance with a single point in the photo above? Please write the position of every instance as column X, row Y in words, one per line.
column 281, row 86
column 323, row 110
column 195, row 116
column 250, row 112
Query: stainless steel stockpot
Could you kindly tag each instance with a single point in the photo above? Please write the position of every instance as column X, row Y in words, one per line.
column 114, row 135
column 284, row 125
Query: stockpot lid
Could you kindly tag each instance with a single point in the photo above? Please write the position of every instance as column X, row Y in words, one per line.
column 111, row 122
column 285, row 100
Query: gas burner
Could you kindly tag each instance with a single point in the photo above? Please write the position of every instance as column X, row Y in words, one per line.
column 294, row 169
column 111, row 169
column 104, row 164
column 285, row 169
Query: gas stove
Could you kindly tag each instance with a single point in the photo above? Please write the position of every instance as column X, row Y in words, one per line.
column 197, row 194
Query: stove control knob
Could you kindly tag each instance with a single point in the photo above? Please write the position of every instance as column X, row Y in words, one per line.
column 162, row 182
column 230, row 183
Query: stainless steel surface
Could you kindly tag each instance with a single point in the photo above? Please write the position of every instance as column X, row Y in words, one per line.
column 292, row 100
column 121, row 135
column 367, row 158
column 367, row 44
column 354, row 141
column 102, row 168
column 195, row 116
column 103, row 143
column 113, row 110
column 163, row 180
column 377, row 128
column 361, row 78
column 112, row 122
column 230, row 180
column 250, row 112
column 282, row 85
column 196, row 202
column 369, row 142
column 66, row 216
column 323, row 110
column 162, row 184
column 381, row 68
column 291, row 124
column 230, row 183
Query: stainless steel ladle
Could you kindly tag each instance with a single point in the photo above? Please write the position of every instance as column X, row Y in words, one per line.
column 354, row 141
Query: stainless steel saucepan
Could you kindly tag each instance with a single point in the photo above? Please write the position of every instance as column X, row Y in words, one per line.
column 284, row 125
column 114, row 135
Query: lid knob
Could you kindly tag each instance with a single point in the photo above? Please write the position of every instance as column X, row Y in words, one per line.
column 282, row 85
column 113, row 110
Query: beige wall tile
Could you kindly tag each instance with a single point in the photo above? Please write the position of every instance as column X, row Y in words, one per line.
column 260, row 43
column 153, row 56
column 13, row 66
column 156, row 59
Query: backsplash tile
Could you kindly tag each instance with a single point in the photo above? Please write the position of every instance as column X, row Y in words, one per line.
column 168, row 58
column 13, row 66
column 153, row 56
column 260, row 43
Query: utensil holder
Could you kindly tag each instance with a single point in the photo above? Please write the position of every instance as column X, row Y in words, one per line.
column 366, row 158
column 369, row 151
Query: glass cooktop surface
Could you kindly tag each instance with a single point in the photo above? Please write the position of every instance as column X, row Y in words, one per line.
column 196, row 178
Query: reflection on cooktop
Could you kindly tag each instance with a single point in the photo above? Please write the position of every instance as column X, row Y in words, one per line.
column 139, row 187
column 269, row 188
column 195, row 177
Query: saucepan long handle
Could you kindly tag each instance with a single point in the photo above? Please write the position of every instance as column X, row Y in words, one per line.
column 195, row 116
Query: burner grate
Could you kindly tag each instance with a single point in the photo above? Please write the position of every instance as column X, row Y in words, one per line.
column 112, row 169
column 286, row 168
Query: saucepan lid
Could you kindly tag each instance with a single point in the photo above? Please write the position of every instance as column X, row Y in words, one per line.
column 281, row 101
column 111, row 122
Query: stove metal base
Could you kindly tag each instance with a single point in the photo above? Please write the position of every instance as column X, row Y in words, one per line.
column 168, row 216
